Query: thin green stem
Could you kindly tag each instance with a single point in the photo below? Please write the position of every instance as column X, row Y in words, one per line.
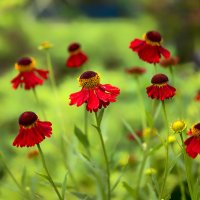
column 47, row 172
column 172, row 73
column 167, row 154
column 141, row 103
column 59, row 113
column 155, row 68
column 105, row 156
column 139, row 178
column 38, row 102
column 188, row 175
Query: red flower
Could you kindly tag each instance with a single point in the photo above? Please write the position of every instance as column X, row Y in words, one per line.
column 76, row 57
column 136, row 71
column 172, row 61
column 28, row 75
column 159, row 88
column 150, row 49
column 32, row 131
column 193, row 142
column 197, row 97
column 94, row 94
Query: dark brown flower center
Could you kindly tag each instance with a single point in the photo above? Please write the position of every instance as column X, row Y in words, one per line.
column 88, row 74
column 197, row 126
column 27, row 118
column 24, row 61
column 159, row 79
column 73, row 47
column 153, row 36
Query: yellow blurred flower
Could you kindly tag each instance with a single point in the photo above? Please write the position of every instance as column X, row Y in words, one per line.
column 171, row 139
column 149, row 132
column 178, row 126
column 150, row 171
column 45, row 45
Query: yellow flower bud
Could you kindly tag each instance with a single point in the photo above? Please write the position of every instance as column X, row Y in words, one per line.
column 45, row 45
column 150, row 171
column 178, row 126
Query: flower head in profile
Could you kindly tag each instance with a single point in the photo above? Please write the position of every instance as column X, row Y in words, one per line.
column 150, row 49
column 28, row 76
column 76, row 56
column 172, row 61
column 193, row 142
column 160, row 89
column 93, row 93
column 45, row 45
column 136, row 71
column 197, row 96
column 32, row 131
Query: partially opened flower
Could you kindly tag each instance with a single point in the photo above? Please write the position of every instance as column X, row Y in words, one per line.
column 136, row 71
column 160, row 88
column 197, row 96
column 172, row 61
column 193, row 142
column 32, row 131
column 76, row 56
column 28, row 76
column 178, row 126
column 150, row 49
column 94, row 94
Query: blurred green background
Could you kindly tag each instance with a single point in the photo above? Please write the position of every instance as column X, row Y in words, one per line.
column 104, row 29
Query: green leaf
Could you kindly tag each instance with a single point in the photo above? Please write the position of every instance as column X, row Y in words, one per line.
column 81, row 137
column 23, row 177
column 82, row 196
column 129, row 189
column 150, row 120
column 129, row 128
column 100, row 116
column 64, row 186
column 43, row 176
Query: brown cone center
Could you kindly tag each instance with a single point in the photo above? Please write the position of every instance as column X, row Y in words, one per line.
column 159, row 79
column 153, row 36
column 73, row 47
column 24, row 61
column 88, row 74
column 27, row 118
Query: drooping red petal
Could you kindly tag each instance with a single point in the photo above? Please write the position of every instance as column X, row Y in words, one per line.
column 136, row 44
column 78, row 98
column 93, row 101
column 164, row 52
column 192, row 146
column 42, row 73
column 76, row 60
column 16, row 81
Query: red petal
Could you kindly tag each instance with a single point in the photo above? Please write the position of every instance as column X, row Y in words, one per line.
column 136, row 44
column 93, row 101
column 164, row 52
column 76, row 60
column 42, row 73
column 80, row 97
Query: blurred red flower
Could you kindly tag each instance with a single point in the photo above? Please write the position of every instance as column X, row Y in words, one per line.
column 172, row 61
column 32, row 131
column 131, row 137
column 159, row 88
column 193, row 142
column 137, row 71
column 94, row 94
column 150, row 49
column 197, row 97
column 33, row 154
column 76, row 56
column 28, row 75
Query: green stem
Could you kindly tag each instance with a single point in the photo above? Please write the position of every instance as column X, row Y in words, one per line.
column 172, row 74
column 167, row 154
column 59, row 113
column 141, row 103
column 188, row 175
column 139, row 178
column 105, row 156
column 38, row 102
column 155, row 68
column 47, row 172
